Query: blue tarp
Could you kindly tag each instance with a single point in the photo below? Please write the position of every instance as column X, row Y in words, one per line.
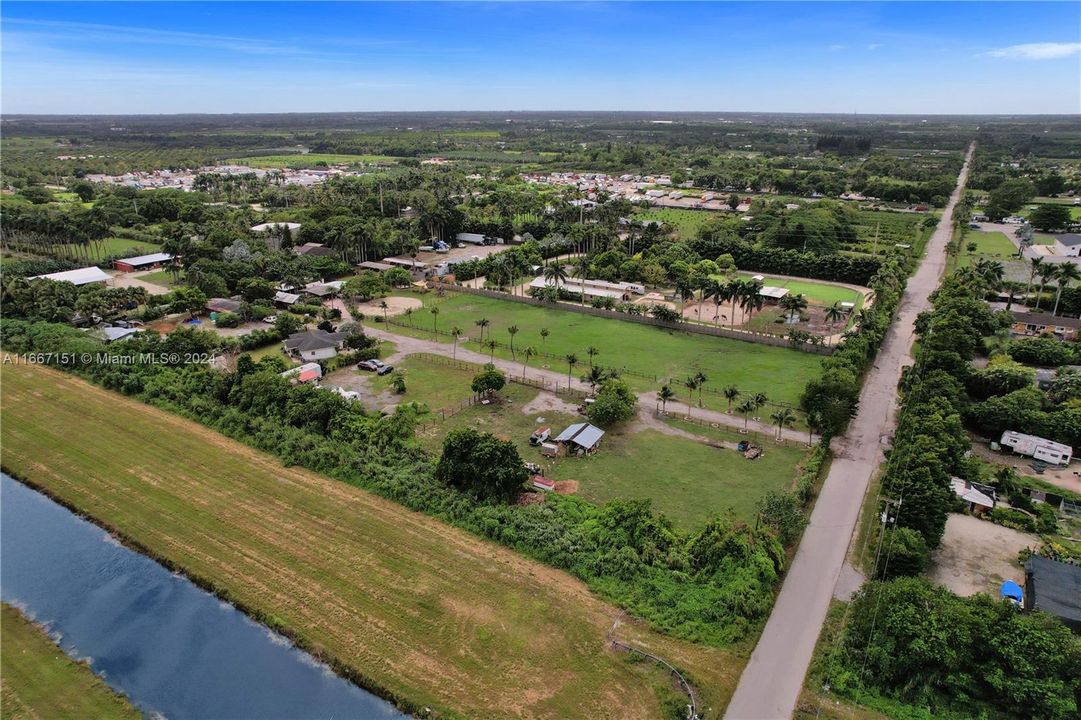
column 1012, row 591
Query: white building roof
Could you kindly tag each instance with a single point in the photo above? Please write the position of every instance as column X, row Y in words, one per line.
column 82, row 276
column 284, row 297
column 265, row 227
column 147, row 259
column 773, row 292
column 582, row 434
column 970, row 494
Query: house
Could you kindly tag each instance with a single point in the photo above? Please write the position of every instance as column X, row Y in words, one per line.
column 142, row 262
column 314, row 344
column 223, row 305
column 376, row 267
column 1068, row 245
column 307, row 372
column 111, row 334
column 1055, row 588
column 1038, row 448
column 580, row 438
column 1032, row 324
column 322, row 290
column 285, row 298
column 81, row 276
column 980, row 498
column 315, row 250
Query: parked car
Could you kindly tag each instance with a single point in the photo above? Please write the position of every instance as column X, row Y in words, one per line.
column 377, row 366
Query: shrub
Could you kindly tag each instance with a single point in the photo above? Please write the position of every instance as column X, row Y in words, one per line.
column 482, row 465
column 227, row 320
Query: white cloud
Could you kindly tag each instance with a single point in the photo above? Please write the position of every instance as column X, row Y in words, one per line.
column 835, row 48
column 874, row 46
column 1036, row 51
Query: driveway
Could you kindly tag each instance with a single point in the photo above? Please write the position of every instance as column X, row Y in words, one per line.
column 772, row 681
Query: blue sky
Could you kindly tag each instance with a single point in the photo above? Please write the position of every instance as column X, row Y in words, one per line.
column 127, row 57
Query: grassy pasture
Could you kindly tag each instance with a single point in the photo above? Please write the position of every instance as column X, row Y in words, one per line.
column 817, row 293
column 111, row 247
column 686, row 222
column 429, row 613
column 687, row 480
column 39, row 681
column 308, row 160
column 779, row 372
column 989, row 245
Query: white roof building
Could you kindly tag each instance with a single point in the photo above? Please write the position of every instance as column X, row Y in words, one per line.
column 82, row 276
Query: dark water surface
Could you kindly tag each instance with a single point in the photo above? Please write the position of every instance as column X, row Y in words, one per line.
column 175, row 650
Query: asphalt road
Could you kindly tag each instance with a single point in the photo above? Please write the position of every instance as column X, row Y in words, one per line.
column 770, row 685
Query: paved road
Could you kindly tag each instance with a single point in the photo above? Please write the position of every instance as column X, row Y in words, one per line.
column 771, row 682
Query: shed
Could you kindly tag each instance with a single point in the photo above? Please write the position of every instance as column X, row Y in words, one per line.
column 285, row 298
column 112, row 334
column 1055, row 588
column 81, row 276
column 979, row 498
column 142, row 262
column 582, row 436
column 773, row 294
column 223, row 305
column 377, row 267
column 304, row 373
column 315, row 250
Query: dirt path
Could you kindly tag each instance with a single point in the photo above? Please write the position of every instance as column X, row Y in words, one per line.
column 122, row 280
column 649, row 400
column 977, row 555
column 772, row 681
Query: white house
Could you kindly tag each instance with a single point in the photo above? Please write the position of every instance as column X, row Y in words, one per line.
column 314, row 344
column 1068, row 245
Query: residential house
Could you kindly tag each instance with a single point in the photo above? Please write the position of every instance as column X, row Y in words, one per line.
column 314, row 344
column 224, row 305
column 1032, row 324
column 315, row 250
column 285, row 299
column 1068, row 245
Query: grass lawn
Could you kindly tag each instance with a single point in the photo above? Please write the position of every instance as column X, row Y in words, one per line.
column 995, row 244
column 436, row 384
column 308, row 160
column 686, row 222
column 817, row 293
column 110, row 247
column 40, row 681
column 687, row 480
column 779, row 372
column 431, row 613
column 161, row 277
column 1043, row 239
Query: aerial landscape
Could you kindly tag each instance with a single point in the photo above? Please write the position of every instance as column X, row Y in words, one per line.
column 540, row 360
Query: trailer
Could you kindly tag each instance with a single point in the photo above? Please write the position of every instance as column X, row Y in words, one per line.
column 1038, row 448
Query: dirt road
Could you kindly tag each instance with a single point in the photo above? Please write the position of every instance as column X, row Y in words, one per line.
column 772, row 680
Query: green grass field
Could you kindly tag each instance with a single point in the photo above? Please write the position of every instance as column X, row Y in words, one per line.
column 39, row 681
column 779, row 372
column 686, row 222
column 687, row 480
column 433, row 614
column 114, row 246
column 308, row 160
column 817, row 293
column 989, row 245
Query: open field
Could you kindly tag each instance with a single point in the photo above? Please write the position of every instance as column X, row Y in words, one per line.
column 39, row 681
column 110, row 247
column 818, row 293
column 308, row 160
column 686, row 222
column 685, row 479
column 779, row 372
column 428, row 613
column 993, row 244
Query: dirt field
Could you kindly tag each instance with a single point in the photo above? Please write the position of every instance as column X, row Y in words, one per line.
column 395, row 306
column 977, row 556
column 427, row 612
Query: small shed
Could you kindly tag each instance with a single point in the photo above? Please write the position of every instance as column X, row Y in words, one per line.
column 376, row 267
column 283, row 298
column 308, row 372
column 223, row 305
column 581, row 437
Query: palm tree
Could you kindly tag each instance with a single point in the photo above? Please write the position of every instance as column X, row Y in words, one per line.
column 555, row 274
column 435, row 318
column 456, row 333
column 544, row 333
column 734, row 291
column 685, row 291
column 1046, row 273
column 529, row 352
column 592, row 352
column 664, row 396
column 783, row 418
column 594, row 378
column 572, row 360
column 716, row 291
column 834, row 314
column 747, row 407
column 794, row 304
column 383, row 306
column 759, row 399
column 581, row 272
column 700, row 378
column 730, row 394
column 991, row 271
column 691, row 383
column 409, row 316
column 491, row 345
column 1067, row 273
column 1037, row 264
column 482, row 323
column 513, row 330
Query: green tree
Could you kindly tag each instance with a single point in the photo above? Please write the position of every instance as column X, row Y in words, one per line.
column 488, row 381
column 614, row 403
column 664, row 396
column 572, row 360
column 730, row 394
column 481, row 465
column 1050, row 217
column 513, row 330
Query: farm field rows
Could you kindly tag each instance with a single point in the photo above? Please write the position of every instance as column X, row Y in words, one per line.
column 40, row 681
column 779, row 372
column 427, row 612
column 307, row 160
column 683, row 478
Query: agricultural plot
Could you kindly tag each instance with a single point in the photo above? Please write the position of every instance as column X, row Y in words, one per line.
column 110, row 247
column 659, row 354
column 878, row 231
column 426, row 612
column 308, row 160
column 40, row 681
column 687, row 480
column 686, row 222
